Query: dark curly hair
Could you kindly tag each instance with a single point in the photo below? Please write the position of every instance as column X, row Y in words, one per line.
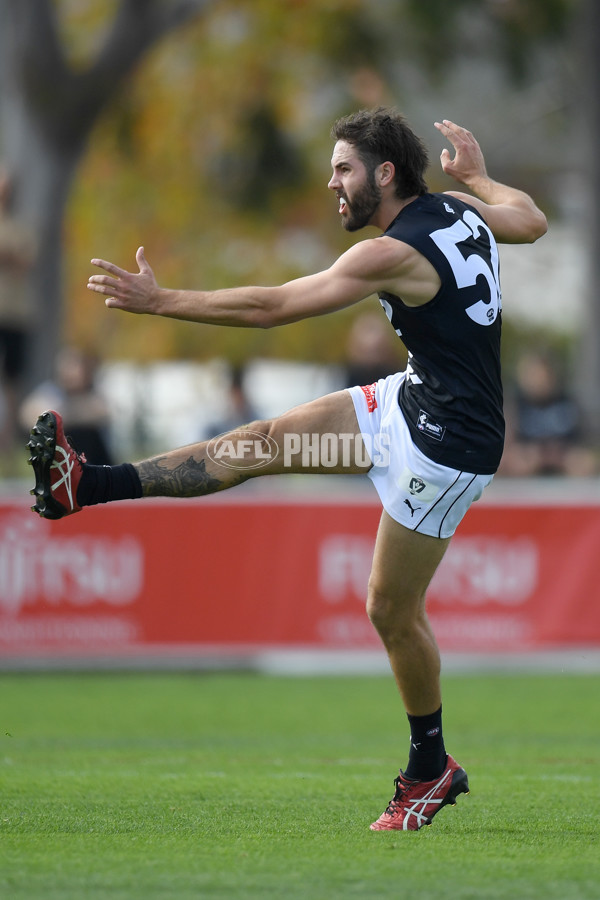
column 383, row 135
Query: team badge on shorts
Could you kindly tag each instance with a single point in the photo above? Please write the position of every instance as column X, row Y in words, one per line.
column 417, row 486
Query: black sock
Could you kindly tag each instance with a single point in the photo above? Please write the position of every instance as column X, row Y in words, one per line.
column 427, row 756
column 100, row 484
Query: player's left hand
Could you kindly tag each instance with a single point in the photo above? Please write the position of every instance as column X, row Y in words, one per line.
column 134, row 292
column 468, row 162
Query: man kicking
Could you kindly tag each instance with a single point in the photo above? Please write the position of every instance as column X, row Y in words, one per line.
column 435, row 269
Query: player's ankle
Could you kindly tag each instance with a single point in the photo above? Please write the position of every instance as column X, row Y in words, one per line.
column 103, row 484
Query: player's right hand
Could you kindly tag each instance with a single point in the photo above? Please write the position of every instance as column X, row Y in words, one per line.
column 135, row 292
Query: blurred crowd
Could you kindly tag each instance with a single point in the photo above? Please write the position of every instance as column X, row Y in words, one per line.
column 545, row 427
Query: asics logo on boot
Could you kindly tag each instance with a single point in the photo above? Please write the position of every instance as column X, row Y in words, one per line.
column 65, row 464
column 418, row 806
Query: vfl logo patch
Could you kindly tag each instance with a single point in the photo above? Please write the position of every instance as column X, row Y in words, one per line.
column 416, row 486
column 369, row 392
column 431, row 429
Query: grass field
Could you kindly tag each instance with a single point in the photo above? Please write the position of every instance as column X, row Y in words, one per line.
column 251, row 786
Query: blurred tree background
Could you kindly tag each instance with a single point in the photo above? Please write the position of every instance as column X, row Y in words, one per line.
column 213, row 149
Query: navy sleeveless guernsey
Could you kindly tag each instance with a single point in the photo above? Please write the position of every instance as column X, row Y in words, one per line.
column 451, row 397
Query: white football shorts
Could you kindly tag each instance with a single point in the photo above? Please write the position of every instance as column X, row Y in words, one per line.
column 418, row 493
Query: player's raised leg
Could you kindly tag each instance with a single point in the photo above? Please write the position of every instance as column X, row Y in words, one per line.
column 317, row 437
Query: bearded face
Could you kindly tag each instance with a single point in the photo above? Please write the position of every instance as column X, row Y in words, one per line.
column 359, row 204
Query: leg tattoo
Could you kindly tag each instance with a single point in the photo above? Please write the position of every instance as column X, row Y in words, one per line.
column 188, row 479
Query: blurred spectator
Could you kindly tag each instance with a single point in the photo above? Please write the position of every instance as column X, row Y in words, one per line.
column 237, row 411
column 75, row 396
column 16, row 311
column 372, row 351
column 544, row 433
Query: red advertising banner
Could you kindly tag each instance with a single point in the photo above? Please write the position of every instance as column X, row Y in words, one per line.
column 153, row 577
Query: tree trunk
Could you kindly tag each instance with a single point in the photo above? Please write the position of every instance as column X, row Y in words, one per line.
column 47, row 112
column 42, row 204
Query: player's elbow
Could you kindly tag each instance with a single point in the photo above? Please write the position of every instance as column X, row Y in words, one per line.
column 261, row 310
column 265, row 317
column 539, row 226
column 272, row 310
column 526, row 229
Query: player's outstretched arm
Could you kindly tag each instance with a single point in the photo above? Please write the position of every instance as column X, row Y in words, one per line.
column 139, row 293
column 359, row 272
column 511, row 214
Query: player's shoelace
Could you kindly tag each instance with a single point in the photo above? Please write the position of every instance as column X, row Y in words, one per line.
column 396, row 802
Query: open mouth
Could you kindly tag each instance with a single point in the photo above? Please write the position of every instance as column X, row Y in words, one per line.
column 343, row 207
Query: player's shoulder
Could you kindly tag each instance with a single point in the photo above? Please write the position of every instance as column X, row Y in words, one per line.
column 377, row 255
column 462, row 200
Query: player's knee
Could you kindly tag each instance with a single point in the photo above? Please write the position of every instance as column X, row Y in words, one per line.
column 249, row 449
column 380, row 607
column 392, row 611
column 270, row 442
column 263, row 427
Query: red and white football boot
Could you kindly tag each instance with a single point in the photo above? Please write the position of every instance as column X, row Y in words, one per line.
column 415, row 803
column 57, row 466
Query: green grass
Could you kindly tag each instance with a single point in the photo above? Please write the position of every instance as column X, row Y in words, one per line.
column 248, row 786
